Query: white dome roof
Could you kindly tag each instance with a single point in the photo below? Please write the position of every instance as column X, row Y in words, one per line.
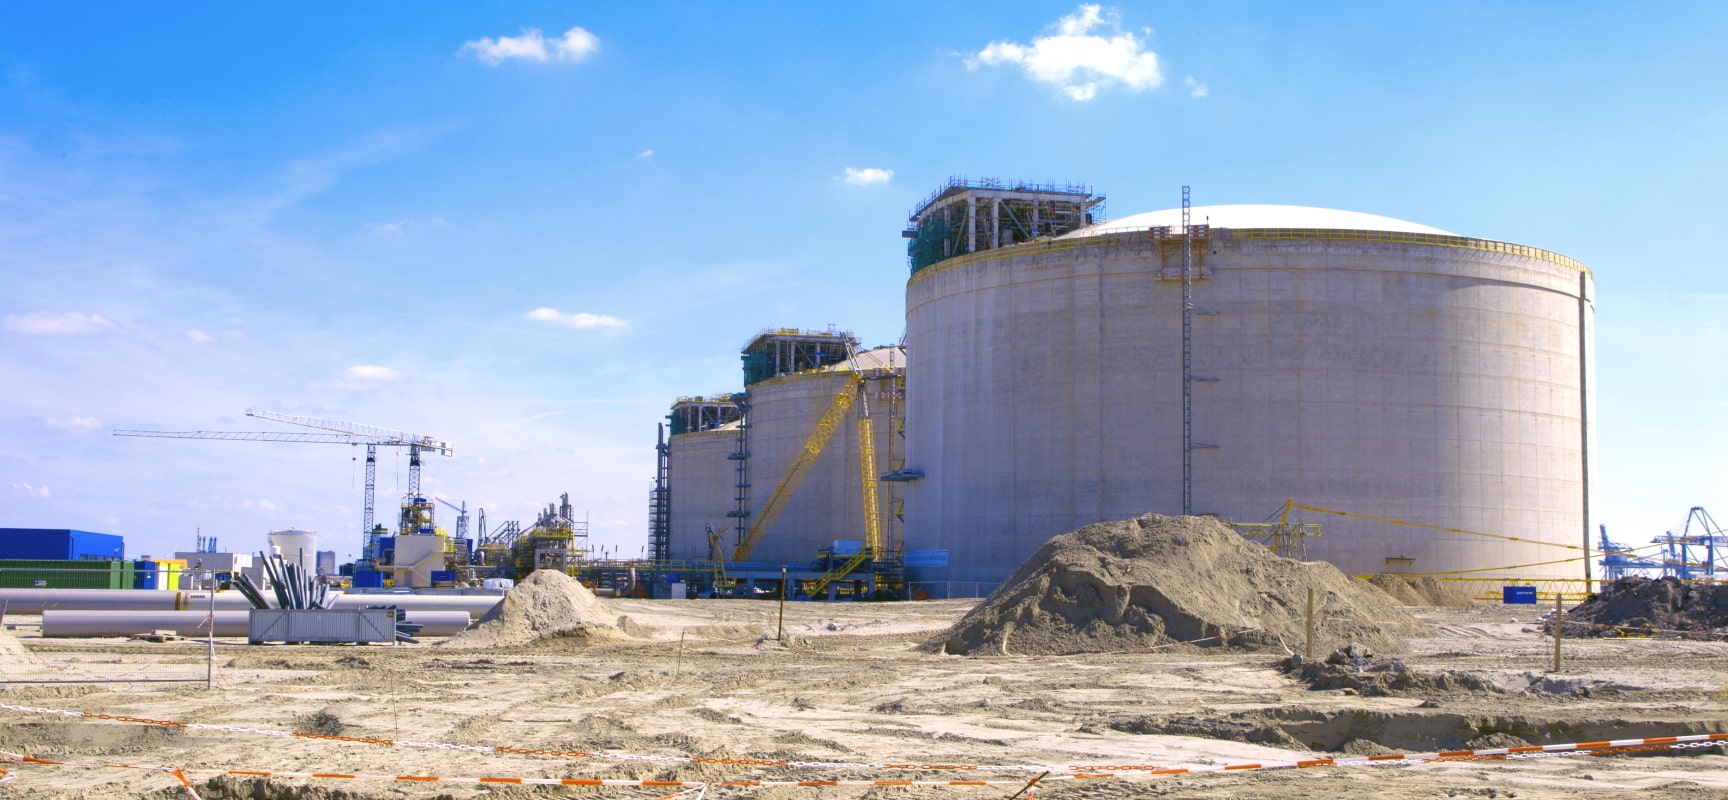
column 1260, row 216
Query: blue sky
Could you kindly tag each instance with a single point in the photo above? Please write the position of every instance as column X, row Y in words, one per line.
column 527, row 227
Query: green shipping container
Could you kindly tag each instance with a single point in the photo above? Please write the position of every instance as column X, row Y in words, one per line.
column 44, row 574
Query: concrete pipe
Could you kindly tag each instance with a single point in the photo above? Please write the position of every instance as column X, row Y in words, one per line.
column 69, row 624
column 36, row 601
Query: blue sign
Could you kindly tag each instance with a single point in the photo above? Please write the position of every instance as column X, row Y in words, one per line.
column 1518, row 595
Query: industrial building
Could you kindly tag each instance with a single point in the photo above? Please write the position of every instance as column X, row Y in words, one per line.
column 60, row 544
column 1431, row 388
column 1347, row 361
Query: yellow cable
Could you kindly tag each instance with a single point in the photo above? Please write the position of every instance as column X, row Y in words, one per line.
column 1390, row 521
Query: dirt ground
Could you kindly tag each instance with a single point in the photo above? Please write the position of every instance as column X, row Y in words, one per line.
column 705, row 678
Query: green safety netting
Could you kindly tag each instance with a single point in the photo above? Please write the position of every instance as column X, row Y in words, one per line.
column 929, row 246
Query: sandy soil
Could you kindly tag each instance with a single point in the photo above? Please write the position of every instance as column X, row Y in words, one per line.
column 700, row 678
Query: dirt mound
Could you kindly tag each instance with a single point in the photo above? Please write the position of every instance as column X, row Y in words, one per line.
column 1398, row 589
column 1442, row 594
column 547, row 604
column 1661, row 607
column 1355, row 668
column 1424, row 591
column 15, row 660
column 1159, row 580
column 1384, row 730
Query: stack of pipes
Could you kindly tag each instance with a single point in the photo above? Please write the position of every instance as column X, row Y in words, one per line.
column 290, row 585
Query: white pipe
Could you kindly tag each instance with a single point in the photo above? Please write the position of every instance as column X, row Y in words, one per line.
column 68, row 624
column 36, row 601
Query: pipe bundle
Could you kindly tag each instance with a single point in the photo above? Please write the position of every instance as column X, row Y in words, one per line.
column 290, row 586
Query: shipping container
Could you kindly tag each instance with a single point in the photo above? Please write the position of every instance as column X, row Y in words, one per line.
column 322, row 625
column 55, row 574
column 60, row 544
column 368, row 579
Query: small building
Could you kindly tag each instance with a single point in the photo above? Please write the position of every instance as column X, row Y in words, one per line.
column 60, row 544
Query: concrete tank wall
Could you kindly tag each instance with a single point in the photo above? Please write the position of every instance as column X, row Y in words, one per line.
column 1428, row 378
column 702, row 483
column 828, row 504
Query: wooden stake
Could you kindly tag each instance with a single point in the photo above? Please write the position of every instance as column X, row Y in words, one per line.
column 780, row 627
column 1308, row 649
column 1557, row 612
column 680, row 667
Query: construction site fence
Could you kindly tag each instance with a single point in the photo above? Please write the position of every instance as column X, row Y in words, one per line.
column 949, row 590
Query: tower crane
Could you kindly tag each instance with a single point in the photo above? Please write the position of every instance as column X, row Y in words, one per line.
column 335, row 432
column 461, row 517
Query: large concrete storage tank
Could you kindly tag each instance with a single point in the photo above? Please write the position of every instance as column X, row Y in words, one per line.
column 1349, row 361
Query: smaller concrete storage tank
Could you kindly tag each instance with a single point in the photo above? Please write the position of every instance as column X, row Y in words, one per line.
column 722, row 478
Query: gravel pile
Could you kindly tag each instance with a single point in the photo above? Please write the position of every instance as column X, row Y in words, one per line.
column 1660, row 607
column 1156, row 581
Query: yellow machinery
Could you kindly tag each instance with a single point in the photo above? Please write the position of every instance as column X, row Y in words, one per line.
column 872, row 517
column 814, row 442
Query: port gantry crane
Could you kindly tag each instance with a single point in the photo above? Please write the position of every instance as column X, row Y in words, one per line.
column 336, row 432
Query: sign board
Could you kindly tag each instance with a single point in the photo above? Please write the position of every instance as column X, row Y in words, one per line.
column 1518, row 595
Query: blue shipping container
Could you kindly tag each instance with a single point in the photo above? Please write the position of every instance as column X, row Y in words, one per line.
column 145, row 575
column 1518, row 595
column 60, row 544
column 368, row 579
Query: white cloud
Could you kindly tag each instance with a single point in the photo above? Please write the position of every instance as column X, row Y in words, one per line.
column 867, row 176
column 48, row 323
column 76, row 424
column 371, row 373
column 578, row 320
column 26, row 490
column 260, row 504
column 401, row 228
column 646, row 154
column 576, row 44
column 1077, row 60
column 199, row 336
column 1197, row 89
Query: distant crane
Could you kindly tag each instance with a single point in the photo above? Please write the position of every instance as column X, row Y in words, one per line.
column 1678, row 558
column 1618, row 560
column 461, row 517
column 349, row 433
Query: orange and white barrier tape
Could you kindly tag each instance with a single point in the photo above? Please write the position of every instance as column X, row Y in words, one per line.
column 1571, row 749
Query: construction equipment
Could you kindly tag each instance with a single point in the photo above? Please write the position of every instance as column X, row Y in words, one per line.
column 1678, row 558
column 1618, row 560
column 461, row 517
column 349, row 433
column 815, row 440
column 872, row 520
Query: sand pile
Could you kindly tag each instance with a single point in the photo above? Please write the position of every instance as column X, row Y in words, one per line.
column 1423, row 591
column 1159, row 580
column 1661, row 607
column 545, row 605
column 15, row 660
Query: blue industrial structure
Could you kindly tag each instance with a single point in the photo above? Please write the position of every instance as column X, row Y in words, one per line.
column 60, row 544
